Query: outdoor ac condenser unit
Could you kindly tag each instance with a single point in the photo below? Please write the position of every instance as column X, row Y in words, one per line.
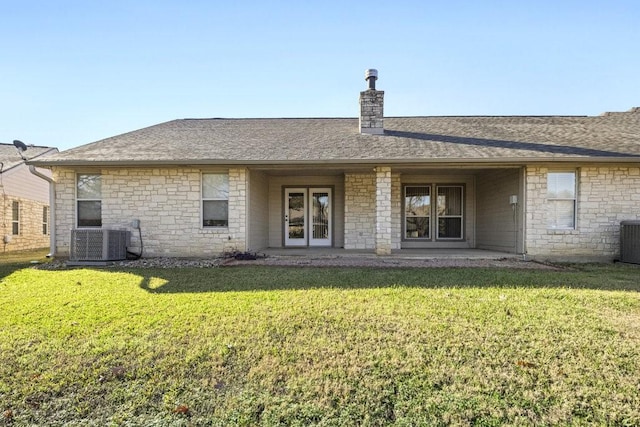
column 98, row 245
column 630, row 241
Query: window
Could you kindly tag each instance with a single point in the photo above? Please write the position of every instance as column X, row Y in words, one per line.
column 45, row 220
column 215, row 200
column 561, row 199
column 449, row 212
column 444, row 216
column 89, row 200
column 417, row 212
column 15, row 218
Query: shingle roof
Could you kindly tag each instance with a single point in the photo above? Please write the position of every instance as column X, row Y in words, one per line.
column 336, row 140
column 10, row 158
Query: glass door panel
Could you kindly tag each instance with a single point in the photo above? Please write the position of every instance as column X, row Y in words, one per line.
column 295, row 219
column 307, row 217
column 320, row 204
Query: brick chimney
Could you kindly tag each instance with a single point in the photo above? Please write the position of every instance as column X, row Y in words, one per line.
column 371, row 106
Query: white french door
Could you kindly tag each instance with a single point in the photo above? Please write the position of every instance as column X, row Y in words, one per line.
column 307, row 217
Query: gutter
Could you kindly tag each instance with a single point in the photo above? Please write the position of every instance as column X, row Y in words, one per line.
column 52, row 208
column 629, row 159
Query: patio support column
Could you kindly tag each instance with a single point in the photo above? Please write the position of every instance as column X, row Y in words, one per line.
column 238, row 192
column 383, row 210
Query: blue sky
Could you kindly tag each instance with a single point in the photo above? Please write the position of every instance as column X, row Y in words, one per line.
column 73, row 72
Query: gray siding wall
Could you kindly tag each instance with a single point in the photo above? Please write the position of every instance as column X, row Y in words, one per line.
column 21, row 183
column 498, row 227
column 276, row 185
column 258, row 234
column 469, row 210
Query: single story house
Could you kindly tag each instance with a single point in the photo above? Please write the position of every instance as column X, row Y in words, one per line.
column 550, row 187
column 24, row 198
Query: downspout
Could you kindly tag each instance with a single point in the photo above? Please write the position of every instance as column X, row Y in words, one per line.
column 52, row 209
column 523, row 213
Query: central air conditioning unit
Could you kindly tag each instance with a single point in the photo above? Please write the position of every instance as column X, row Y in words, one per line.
column 630, row 242
column 98, row 245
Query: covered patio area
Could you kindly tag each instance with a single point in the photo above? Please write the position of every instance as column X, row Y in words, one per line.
column 416, row 254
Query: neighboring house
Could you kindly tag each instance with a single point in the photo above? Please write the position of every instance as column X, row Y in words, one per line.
column 550, row 187
column 24, row 200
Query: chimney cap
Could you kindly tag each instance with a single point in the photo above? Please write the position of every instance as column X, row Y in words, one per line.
column 371, row 72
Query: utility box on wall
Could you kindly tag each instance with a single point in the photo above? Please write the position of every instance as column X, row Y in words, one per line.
column 630, row 242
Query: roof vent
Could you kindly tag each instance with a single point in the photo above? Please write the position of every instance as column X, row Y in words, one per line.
column 371, row 75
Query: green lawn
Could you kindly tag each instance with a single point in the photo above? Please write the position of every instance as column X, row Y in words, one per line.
column 313, row 346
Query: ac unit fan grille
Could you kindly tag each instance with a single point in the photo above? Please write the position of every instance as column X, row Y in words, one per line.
column 98, row 245
column 630, row 241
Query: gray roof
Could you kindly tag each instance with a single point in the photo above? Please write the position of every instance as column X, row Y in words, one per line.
column 10, row 158
column 519, row 139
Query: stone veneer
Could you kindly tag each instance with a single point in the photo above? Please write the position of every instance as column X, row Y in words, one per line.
column 359, row 211
column 166, row 201
column 372, row 112
column 606, row 196
column 383, row 210
column 31, row 234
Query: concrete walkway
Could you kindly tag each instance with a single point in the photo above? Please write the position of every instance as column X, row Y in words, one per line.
column 418, row 254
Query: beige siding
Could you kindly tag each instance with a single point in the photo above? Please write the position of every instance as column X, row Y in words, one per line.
column 498, row 225
column 258, row 211
column 20, row 182
column 276, row 207
column 606, row 196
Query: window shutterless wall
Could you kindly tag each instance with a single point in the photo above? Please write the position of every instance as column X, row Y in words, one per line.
column 562, row 190
column 15, row 218
column 88, row 200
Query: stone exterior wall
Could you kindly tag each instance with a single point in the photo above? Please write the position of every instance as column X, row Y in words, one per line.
column 359, row 211
column 167, row 201
column 606, row 196
column 383, row 210
column 30, row 234
column 396, row 211
column 372, row 112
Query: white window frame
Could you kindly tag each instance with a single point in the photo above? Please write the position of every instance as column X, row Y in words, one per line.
column 428, row 217
column 212, row 199
column 15, row 218
column 574, row 199
column 438, row 216
column 434, row 216
column 78, row 200
column 45, row 220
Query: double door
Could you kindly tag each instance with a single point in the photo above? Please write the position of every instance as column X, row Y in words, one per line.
column 307, row 217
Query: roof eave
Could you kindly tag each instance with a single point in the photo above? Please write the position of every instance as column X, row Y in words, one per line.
column 427, row 161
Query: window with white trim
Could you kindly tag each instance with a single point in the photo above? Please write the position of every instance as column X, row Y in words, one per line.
column 15, row 218
column 417, row 212
column 89, row 200
column 449, row 211
column 215, row 200
column 561, row 200
column 45, row 220
column 433, row 218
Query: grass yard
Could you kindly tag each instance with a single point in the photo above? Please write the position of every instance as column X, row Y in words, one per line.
column 312, row 346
